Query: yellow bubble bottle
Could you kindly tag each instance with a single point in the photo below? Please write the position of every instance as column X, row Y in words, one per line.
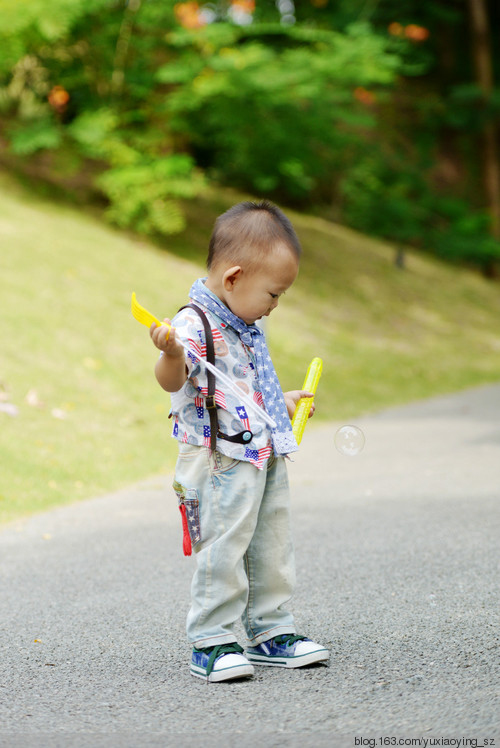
column 303, row 407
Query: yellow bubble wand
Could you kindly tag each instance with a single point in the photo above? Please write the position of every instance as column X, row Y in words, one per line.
column 303, row 407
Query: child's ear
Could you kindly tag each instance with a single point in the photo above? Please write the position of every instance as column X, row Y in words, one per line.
column 230, row 277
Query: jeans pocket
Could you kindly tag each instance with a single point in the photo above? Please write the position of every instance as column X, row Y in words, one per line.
column 222, row 463
column 189, row 506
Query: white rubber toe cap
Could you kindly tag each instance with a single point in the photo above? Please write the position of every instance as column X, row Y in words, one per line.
column 226, row 667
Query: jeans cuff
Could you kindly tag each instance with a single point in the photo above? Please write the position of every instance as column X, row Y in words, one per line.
column 214, row 641
column 264, row 636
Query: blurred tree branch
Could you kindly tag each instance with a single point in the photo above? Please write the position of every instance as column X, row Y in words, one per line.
column 122, row 45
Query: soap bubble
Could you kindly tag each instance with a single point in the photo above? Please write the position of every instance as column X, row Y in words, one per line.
column 349, row 440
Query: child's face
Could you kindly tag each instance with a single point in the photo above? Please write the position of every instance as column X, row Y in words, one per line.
column 254, row 293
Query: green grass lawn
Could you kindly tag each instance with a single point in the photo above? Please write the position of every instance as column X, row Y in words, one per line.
column 79, row 368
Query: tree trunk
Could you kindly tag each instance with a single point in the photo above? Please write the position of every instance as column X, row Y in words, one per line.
column 481, row 48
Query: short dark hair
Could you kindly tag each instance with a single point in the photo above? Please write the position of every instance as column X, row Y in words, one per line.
column 248, row 230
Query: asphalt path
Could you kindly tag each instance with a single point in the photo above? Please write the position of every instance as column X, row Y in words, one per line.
column 398, row 574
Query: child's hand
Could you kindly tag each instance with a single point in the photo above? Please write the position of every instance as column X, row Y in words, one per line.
column 293, row 397
column 163, row 336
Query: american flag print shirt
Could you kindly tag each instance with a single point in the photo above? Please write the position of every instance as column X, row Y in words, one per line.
column 190, row 415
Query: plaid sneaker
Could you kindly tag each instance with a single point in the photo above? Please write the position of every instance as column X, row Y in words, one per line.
column 222, row 662
column 288, row 650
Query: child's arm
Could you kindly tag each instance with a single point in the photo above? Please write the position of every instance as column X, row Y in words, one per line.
column 292, row 398
column 171, row 370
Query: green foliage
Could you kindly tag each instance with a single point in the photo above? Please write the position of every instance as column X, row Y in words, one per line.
column 25, row 24
column 91, row 130
column 277, row 120
column 381, row 200
column 72, row 93
column 42, row 134
column 141, row 189
column 341, row 107
column 26, row 90
column 467, row 109
column 459, row 233
column 385, row 197
column 140, row 194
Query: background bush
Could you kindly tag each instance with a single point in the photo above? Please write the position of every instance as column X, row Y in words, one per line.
column 366, row 113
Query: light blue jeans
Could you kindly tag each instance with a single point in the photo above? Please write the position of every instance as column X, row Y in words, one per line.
column 239, row 523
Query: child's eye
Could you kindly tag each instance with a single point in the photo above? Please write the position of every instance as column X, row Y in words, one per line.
column 273, row 295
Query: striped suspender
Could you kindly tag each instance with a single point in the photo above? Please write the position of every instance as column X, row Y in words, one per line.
column 243, row 437
column 210, row 399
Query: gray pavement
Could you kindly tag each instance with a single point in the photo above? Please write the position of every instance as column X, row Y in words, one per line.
column 397, row 557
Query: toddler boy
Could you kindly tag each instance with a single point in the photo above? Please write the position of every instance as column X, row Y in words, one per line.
column 230, row 476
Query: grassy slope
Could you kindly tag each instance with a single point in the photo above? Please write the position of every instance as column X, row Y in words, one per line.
column 386, row 336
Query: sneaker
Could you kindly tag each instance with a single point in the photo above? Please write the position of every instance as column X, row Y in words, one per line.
column 219, row 663
column 288, row 650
